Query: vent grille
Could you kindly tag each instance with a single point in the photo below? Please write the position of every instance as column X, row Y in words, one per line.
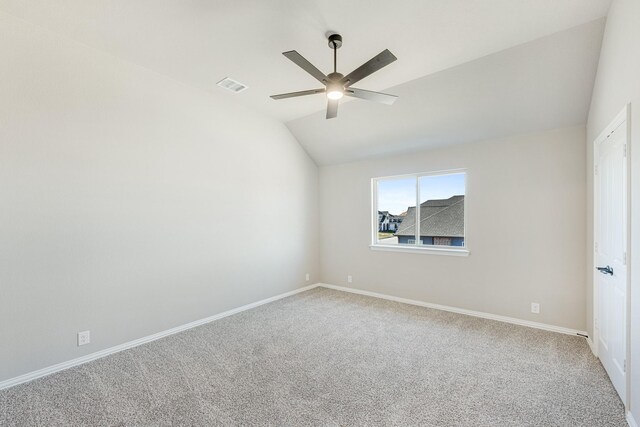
column 232, row 85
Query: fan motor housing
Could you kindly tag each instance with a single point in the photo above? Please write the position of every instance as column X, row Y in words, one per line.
column 335, row 77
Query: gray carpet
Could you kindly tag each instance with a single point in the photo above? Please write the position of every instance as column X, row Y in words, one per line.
column 331, row 358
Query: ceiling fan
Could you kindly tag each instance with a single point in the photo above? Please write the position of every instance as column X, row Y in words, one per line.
column 338, row 85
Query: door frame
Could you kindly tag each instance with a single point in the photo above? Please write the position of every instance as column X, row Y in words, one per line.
column 623, row 118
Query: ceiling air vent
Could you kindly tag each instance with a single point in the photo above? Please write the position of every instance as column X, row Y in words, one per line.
column 232, row 85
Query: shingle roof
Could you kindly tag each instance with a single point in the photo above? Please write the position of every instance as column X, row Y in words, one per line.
column 441, row 218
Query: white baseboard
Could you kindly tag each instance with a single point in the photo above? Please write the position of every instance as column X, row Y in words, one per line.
column 632, row 422
column 592, row 346
column 481, row 314
column 102, row 353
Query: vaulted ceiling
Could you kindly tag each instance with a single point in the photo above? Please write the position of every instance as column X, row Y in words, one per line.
column 543, row 84
column 198, row 42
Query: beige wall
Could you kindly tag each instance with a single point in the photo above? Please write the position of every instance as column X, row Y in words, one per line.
column 618, row 83
column 526, row 219
column 131, row 203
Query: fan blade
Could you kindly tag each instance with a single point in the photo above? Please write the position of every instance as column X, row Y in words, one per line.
column 382, row 59
column 332, row 108
column 382, row 98
column 306, row 65
column 301, row 93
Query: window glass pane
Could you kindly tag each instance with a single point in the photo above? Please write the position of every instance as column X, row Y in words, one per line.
column 442, row 209
column 396, row 209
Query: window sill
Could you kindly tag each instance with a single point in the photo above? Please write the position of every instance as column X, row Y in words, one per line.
column 420, row 250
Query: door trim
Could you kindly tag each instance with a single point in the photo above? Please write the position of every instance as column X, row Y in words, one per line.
column 623, row 118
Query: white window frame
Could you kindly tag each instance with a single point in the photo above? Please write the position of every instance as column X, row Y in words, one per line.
column 417, row 248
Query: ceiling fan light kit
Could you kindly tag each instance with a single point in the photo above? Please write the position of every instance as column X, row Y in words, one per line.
column 338, row 85
column 334, row 89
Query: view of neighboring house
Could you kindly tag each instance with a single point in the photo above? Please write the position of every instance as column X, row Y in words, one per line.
column 441, row 223
column 388, row 221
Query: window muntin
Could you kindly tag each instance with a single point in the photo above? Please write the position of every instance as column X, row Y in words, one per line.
column 436, row 198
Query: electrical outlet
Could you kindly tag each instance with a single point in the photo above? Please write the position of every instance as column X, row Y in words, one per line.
column 308, row 277
column 84, row 338
column 535, row 308
column 349, row 279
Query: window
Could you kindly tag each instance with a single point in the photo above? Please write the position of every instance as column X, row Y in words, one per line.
column 426, row 210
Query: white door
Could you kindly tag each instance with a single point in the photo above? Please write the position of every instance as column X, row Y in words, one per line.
column 610, row 253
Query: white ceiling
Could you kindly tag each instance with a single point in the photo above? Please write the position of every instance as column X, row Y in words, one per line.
column 544, row 84
column 201, row 41
column 198, row 42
